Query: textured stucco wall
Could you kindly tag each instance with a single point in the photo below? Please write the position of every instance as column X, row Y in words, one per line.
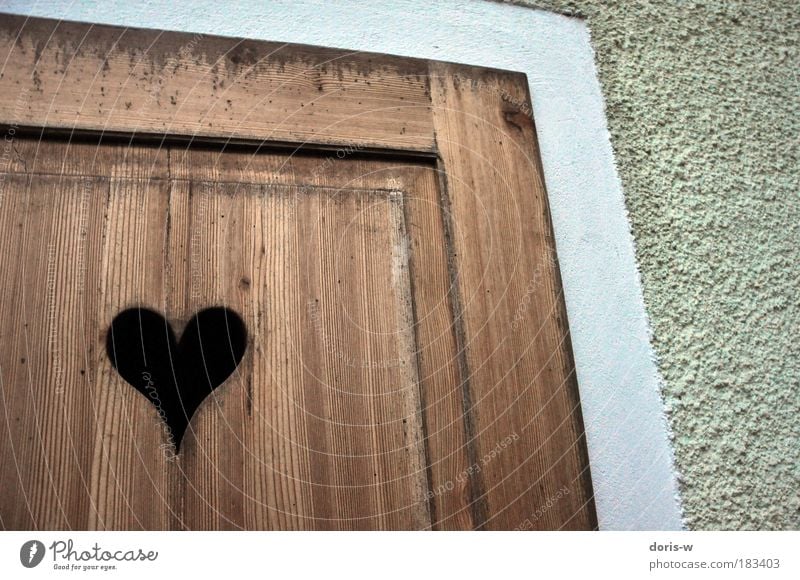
column 703, row 104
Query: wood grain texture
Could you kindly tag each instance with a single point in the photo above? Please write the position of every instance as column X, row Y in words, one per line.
column 322, row 426
column 320, row 407
column 79, row 76
column 435, row 354
column 523, row 406
column 452, row 276
column 67, row 412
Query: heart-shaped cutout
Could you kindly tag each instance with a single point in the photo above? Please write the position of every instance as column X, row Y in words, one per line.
column 176, row 376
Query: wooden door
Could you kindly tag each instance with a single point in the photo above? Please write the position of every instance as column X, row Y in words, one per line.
column 343, row 304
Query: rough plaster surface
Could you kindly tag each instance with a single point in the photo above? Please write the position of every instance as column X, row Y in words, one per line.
column 703, row 104
column 631, row 462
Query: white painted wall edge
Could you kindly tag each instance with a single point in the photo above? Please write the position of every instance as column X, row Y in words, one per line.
column 628, row 437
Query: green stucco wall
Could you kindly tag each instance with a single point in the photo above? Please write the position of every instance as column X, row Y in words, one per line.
column 703, row 105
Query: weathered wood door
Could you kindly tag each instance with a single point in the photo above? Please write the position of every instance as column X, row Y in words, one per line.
column 260, row 286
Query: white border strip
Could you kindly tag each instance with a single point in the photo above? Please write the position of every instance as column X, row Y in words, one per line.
column 629, row 449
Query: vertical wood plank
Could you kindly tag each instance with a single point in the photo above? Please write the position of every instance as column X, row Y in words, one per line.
column 527, row 429
column 216, row 442
column 449, row 467
column 79, row 439
column 130, row 466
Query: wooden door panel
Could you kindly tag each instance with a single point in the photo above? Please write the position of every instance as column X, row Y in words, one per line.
column 448, row 470
column 279, row 445
column 381, row 226
column 325, row 405
column 327, row 422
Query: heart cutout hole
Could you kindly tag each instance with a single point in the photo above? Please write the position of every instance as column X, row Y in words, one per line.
column 175, row 375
